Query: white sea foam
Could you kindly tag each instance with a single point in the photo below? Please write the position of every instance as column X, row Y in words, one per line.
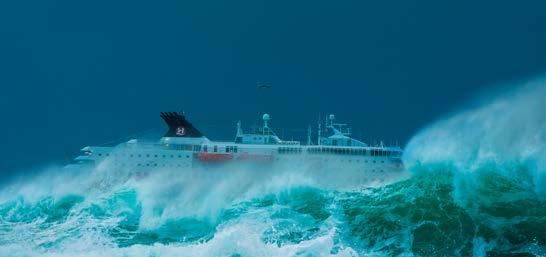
column 504, row 131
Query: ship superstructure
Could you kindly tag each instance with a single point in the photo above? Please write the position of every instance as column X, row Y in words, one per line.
column 184, row 147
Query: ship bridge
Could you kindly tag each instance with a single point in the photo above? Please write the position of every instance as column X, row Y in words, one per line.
column 339, row 135
column 264, row 135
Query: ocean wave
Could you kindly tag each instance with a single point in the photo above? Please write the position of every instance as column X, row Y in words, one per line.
column 477, row 189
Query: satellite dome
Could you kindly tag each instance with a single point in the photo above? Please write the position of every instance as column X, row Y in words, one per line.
column 266, row 117
column 332, row 117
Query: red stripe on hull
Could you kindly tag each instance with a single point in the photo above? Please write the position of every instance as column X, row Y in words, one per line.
column 214, row 157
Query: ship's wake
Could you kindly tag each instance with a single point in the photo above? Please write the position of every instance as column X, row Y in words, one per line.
column 478, row 189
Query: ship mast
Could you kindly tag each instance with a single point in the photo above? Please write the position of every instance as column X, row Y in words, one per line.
column 319, row 141
column 309, row 135
column 265, row 129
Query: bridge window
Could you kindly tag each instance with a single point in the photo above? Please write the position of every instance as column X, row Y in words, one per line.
column 215, row 148
column 205, row 148
column 334, row 141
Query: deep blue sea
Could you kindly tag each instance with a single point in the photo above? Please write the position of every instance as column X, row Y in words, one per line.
column 477, row 188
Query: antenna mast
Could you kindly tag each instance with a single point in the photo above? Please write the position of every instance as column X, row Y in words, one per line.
column 309, row 135
column 319, row 131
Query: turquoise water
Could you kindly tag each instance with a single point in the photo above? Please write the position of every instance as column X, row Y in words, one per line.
column 478, row 188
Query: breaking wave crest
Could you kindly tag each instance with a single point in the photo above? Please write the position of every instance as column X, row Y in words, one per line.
column 478, row 189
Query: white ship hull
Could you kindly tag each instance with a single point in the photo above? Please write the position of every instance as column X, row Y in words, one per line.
column 339, row 161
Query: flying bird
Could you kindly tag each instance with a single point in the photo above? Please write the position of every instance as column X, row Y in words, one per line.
column 263, row 86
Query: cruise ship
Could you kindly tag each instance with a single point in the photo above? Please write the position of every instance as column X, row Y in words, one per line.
column 333, row 156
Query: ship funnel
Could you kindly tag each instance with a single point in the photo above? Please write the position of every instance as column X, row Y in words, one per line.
column 179, row 126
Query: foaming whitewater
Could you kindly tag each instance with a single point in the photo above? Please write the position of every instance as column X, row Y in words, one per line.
column 478, row 188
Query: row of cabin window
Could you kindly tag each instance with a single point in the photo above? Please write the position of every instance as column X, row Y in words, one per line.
column 231, row 149
column 334, row 142
column 337, row 151
column 155, row 165
column 147, row 155
column 384, row 153
column 290, row 150
column 228, row 149
column 349, row 151
column 195, row 148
